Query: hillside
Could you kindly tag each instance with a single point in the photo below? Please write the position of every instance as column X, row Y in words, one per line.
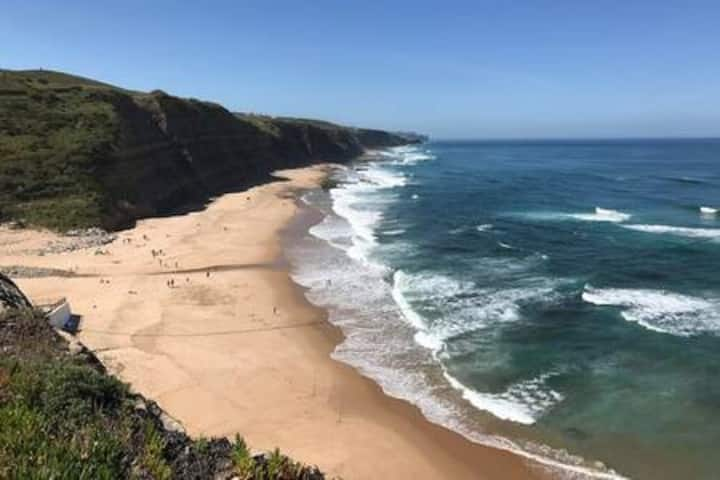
column 75, row 152
column 63, row 416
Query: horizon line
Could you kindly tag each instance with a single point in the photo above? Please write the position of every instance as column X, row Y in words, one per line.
column 571, row 139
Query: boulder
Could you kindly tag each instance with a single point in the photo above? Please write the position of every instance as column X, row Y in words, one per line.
column 11, row 297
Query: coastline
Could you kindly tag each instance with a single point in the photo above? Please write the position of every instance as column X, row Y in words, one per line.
column 234, row 346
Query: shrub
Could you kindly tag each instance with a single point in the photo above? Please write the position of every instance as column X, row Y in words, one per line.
column 241, row 458
column 153, row 460
column 29, row 450
column 80, row 392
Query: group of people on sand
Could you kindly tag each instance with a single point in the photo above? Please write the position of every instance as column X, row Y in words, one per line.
column 171, row 282
column 129, row 240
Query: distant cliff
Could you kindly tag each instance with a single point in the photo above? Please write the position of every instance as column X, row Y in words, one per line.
column 76, row 152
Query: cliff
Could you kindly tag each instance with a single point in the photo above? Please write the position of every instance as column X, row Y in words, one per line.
column 77, row 153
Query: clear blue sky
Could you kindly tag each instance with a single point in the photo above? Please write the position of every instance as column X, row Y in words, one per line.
column 481, row 69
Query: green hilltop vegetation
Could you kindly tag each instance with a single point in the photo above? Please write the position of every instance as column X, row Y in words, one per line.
column 62, row 416
column 76, row 153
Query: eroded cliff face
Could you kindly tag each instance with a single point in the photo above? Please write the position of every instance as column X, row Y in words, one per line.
column 118, row 156
column 175, row 153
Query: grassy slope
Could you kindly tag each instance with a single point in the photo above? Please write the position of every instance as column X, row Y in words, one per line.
column 53, row 129
column 62, row 416
column 76, row 152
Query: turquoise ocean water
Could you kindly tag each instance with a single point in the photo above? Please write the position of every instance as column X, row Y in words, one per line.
column 559, row 299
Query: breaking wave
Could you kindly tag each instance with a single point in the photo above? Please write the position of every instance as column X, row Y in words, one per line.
column 603, row 215
column 707, row 233
column 523, row 402
column 659, row 310
column 708, row 211
column 598, row 215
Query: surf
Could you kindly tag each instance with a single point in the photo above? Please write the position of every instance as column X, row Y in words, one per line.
column 687, row 232
column 660, row 310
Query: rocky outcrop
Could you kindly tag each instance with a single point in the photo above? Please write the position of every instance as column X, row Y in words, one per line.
column 22, row 271
column 11, row 297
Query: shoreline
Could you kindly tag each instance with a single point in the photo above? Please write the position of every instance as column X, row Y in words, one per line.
column 235, row 347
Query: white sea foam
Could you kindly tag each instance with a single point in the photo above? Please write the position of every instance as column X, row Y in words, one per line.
column 457, row 307
column 484, row 227
column 408, row 155
column 523, row 402
column 400, row 281
column 461, row 312
column 332, row 230
column 505, row 245
column 708, row 211
column 708, row 233
column 382, row 177
column 598, row 215
column 357, row 201
column 602, row 215
column 659, row 310
column 488, row 308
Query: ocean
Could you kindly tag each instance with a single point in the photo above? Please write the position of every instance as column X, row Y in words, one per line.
column 560, row 299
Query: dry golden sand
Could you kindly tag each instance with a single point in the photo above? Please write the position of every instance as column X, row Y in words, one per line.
column 241, row 350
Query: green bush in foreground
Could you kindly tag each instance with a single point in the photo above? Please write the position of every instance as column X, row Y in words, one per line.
column 61, row 417
column 52, row 425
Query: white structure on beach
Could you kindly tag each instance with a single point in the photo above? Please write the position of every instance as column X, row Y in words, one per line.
column 59, row 314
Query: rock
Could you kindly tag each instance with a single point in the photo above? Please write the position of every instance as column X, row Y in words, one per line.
column 170, row 424
column 16, row 225
column 80, row 239
column 11, row 297
column 140, row 405
column 21, row 271
column 75, row 347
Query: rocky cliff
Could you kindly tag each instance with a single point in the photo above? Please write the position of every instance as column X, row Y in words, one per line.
column 78, row 153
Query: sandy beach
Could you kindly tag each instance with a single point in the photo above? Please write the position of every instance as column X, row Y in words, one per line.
column 198, row 312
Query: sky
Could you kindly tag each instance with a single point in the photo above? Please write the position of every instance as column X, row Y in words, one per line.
column 450, row 69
